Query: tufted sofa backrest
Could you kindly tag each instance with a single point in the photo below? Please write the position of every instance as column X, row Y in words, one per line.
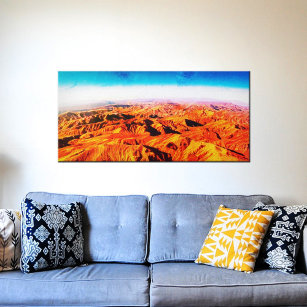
column 180, row 222
column 115, row 228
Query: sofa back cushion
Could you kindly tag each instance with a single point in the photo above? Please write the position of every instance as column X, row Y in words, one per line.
column 180, row 222
column 114, row 227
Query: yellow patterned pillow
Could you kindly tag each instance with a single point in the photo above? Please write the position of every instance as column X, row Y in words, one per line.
column 235, row 238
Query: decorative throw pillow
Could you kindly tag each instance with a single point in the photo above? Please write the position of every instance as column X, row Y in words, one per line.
column 9, row 239
column 235, row 238
column 280, row 246
column 51, row 236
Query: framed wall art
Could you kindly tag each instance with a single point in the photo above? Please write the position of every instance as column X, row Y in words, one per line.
column 169, row 116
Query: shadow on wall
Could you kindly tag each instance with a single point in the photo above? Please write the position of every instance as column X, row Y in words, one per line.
column 10, row 180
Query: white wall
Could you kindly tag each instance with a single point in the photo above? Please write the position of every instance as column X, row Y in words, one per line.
column 38, row 38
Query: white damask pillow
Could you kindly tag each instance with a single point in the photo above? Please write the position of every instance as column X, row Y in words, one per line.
column 10, row 250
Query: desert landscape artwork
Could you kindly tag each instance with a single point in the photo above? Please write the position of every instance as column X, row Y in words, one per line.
column 153, row 116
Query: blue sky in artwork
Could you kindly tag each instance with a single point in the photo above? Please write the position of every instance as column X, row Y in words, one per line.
column 232, row 79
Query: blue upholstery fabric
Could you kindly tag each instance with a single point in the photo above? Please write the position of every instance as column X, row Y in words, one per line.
column 180, row 222
column 115, row 227
column 100, row 284
column 190, row 284
column 56, row 199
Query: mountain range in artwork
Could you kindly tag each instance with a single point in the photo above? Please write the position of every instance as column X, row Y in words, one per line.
column 153, row 116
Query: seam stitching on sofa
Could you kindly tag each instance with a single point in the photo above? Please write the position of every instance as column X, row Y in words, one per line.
column 149, row 227
column 59, row 281
column 191, row 194
column 147, row 232
column 235, row 285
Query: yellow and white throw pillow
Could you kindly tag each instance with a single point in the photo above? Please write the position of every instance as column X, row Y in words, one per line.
column 235, row 238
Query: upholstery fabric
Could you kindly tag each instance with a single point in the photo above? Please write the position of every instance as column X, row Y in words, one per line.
column 9, row 239
column 282, row 242
column 51, row 236
column 189, row 284
column 99, row 284
column 57, row 199
column 235, row 238
column 115, row 228
column 180, row 222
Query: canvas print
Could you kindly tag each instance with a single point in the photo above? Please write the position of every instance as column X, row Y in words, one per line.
column 153, row 116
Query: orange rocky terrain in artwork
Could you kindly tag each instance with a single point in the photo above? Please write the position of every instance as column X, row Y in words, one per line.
column 153, row 131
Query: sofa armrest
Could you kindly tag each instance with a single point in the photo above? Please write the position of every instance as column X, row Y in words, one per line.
column 302, row 256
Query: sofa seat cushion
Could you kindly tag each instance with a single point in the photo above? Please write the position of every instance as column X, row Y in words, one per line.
column 189, row 284
column 99, row 284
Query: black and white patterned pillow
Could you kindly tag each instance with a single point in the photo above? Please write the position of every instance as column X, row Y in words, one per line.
column 281, row 243
column 51, row 236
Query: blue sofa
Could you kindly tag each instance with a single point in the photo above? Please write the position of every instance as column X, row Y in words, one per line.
column 141, row 253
